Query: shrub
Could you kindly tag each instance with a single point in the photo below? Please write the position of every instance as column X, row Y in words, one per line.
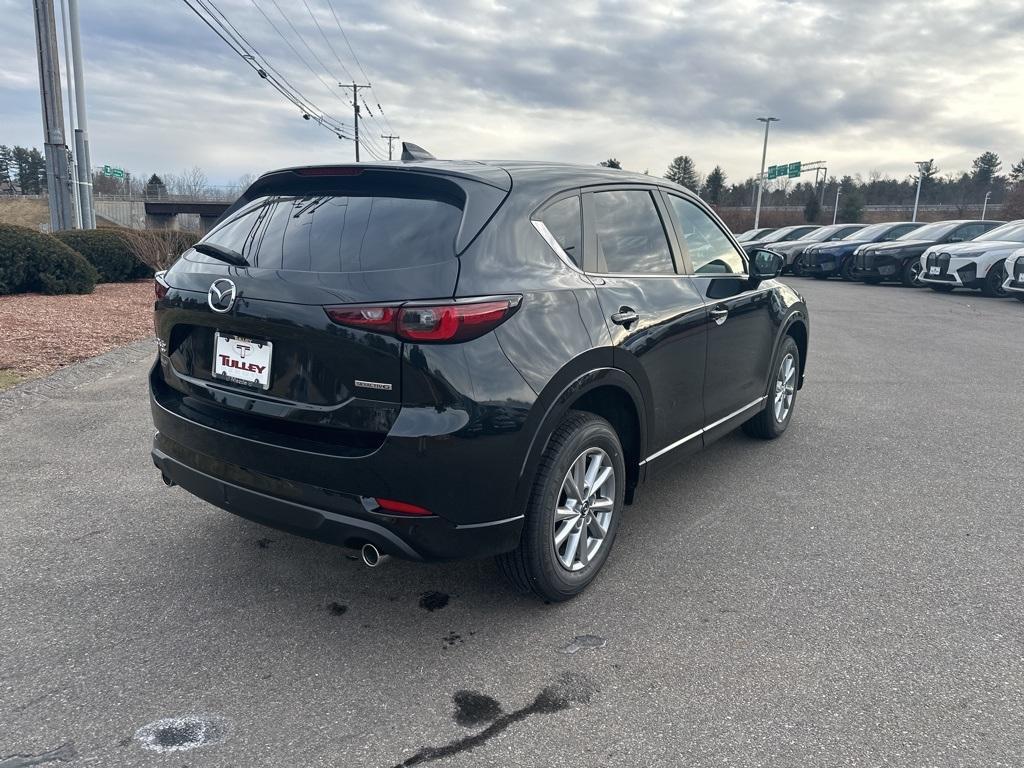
column 108, row 251
column 159, row 248
column 31, row 262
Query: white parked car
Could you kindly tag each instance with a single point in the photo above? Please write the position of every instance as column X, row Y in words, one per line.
column 1014, row 269
column 978, row 263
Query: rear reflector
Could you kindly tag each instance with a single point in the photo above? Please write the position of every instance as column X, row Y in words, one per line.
column 401, row 507
column 429, row 323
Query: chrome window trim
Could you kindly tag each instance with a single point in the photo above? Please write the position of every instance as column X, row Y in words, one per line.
column 549, row 238
column 700, row 432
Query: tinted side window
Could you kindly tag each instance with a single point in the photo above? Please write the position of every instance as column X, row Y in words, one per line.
column 630, row 237
column 895, row 232
column 565, row 223
column 968, row 231
column 710, row 250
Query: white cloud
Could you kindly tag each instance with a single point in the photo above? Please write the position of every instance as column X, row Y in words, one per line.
column 864, row 84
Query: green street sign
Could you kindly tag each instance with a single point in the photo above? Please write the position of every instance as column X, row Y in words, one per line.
column 773, row 171
column 111, row 171
column 794, row 170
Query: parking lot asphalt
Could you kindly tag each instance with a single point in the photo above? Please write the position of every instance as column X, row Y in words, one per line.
column 851, row 594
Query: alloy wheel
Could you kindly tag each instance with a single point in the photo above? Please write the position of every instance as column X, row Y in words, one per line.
column 586, row 503
column 785, row 388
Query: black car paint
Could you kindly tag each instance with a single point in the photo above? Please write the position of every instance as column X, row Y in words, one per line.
column 466, row 434
column 886, row 261
column 828, row 259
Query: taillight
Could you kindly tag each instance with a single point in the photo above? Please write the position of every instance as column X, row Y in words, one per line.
column 457, row 321
column 401, row 507
column 160, row 286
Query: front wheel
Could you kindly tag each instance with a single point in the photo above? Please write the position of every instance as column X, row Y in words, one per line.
column 993, row 284
column 773, row 419
column 910, row 275
column 573, row 512
column 846, row 271
column 798, row 267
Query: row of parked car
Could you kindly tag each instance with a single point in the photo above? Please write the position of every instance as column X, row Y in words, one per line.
column 978, row 254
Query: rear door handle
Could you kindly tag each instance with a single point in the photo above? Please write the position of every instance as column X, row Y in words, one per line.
column 625, row 316
column 720, row 314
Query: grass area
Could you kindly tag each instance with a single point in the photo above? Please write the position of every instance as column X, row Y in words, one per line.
column 10, row 378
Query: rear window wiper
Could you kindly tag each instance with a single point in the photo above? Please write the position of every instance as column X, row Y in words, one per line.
column 222, row 253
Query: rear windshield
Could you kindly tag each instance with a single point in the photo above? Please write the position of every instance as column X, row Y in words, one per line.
column 345, row 230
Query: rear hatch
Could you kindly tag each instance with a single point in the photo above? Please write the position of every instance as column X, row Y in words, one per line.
column 314, row 238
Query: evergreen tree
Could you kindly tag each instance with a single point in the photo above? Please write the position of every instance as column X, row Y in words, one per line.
column 37, row 170
column 683, row 171
column 1016, row 171
column 851, row 205
column 611, row 162
column 985, row 168
column 155, row 187
column 714, row 185
column 6, row 170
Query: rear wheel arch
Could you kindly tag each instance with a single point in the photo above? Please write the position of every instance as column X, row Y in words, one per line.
column 607, row 392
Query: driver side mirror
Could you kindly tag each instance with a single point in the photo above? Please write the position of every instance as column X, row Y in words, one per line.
column 765, row 264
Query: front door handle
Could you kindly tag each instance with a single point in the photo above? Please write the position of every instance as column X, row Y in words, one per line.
column 625, row 316
column 720, row 314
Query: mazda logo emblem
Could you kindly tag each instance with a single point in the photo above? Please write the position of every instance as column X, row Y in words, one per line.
column 221, row 296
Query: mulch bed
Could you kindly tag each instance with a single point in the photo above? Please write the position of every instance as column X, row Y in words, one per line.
column 40, row 334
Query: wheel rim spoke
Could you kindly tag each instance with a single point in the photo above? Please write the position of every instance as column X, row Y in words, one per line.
column 586, row 503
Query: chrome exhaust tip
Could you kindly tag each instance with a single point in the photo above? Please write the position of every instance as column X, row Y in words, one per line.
column 372, row 557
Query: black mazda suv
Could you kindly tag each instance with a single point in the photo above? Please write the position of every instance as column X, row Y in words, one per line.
column 440, row 359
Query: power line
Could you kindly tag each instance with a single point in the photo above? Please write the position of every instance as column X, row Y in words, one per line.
column 348, row 75
column 238, row 43
column 359, row 64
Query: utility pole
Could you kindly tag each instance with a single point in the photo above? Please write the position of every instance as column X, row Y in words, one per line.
column 390, row 139
column 984, row 207
column 58, row 175
column 921, row 165
column 760, row 179
column 355, row 107
column 835, row 211
column 75, row 203
column 82, row 131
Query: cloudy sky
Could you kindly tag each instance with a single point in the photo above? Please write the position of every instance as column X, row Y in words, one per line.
column 868, row 85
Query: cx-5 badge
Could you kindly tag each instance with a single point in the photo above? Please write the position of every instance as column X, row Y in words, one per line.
column 221, row 296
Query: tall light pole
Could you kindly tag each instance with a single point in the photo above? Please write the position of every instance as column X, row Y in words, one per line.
column 835, row 211
column 921, row 165
column 984, row 206
column 82, row 131
column 760, row 179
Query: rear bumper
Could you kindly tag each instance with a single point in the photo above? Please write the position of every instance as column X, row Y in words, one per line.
column 333, row 498
column 427, row 538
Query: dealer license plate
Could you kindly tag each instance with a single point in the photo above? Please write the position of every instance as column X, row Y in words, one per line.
column 242, row 360
column 933, row 270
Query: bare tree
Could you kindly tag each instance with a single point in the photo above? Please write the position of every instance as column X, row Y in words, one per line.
column 191, row 182
column 158, row 249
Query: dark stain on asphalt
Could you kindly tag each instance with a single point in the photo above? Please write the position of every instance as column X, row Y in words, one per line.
column 452, row 638
column 472, row 708
column 338, row 609
column 63, row 753
column 433, row 601
column 568, row 690
column 179, row 734
column 264, row 543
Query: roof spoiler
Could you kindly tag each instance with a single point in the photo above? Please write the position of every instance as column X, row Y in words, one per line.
column 412, row 152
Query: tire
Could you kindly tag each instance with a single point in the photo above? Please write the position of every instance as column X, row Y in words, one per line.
column 1018, row 297
column 872, row 280
column 910, row 273
column 767, row 424
column 539, row 564
column 942, row 288
column 798, row 267
column 992, row 285
column 846, row 271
